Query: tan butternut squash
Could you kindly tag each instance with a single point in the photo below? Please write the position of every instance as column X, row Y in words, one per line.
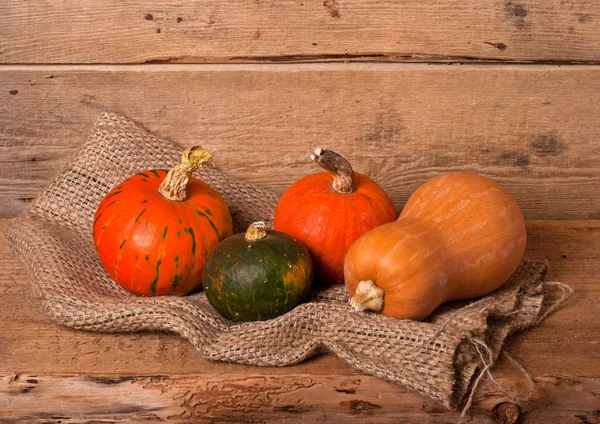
column 459, row 236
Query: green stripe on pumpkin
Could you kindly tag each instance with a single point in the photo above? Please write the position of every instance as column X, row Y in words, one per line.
column 97, row 218
column 190, row 230
column 176, row 280
column 155, row 281
column 110, row 204
column 113, row 194
column 140, row 215
column 212, row 224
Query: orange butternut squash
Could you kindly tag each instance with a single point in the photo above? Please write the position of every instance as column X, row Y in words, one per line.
column 459, row 236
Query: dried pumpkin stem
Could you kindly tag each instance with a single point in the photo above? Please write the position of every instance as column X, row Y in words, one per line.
column 256, row 231
column 343, row 175
column 368, row 297
column 174, row 186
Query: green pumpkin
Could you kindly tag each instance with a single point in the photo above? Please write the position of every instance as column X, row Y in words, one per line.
column 257, row 276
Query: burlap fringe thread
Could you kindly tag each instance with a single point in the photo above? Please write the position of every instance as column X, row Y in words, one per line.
column 445, row 358
column 488, row 362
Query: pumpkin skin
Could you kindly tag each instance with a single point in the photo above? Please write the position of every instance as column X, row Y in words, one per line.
column 253, row 280
column 327, row 222
column 151, row 245
column 459, row 236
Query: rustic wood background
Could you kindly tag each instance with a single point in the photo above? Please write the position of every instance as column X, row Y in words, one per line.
column 406, row 89
column 527, row 116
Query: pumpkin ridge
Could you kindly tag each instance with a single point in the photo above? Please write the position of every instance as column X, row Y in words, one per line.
column 128, row 232
column 103, row 229
column 307, row 233
column 371, row 200
column 377, row 202
column 233, row 316
column 256, row 308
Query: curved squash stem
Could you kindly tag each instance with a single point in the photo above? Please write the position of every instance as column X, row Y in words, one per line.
column 174, row 186
column 256, row 231
column 368, row 297
column 340, row 168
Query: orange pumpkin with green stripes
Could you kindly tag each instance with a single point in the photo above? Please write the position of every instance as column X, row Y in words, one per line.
column 154, row 231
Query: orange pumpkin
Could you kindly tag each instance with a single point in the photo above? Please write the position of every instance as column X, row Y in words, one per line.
column 328, row 211
column 459, row 236
column 154, row 231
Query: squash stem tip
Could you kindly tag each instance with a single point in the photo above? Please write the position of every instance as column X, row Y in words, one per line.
column 338, row 167
column 368, row 297
column 256, row 231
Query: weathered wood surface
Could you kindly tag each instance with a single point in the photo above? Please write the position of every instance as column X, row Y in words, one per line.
column 536, row 129
column 50, row 374
column 115, row 31
column 251, row 398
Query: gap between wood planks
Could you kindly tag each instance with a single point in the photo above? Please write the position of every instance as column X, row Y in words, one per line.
column 304, row 66
column 333, row 58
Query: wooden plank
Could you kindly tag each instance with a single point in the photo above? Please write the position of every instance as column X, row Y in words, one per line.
column 114, row 31
column 50, row 374
column 30, row 398
column 536, row 129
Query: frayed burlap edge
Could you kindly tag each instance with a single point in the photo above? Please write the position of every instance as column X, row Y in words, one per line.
column 441, row 358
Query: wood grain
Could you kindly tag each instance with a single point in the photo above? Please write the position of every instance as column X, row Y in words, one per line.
column 50, row 373
column 536, row 129
column 114, row 31
column 30, row 398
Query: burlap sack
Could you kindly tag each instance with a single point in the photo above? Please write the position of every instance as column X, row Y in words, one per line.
column 441, row 358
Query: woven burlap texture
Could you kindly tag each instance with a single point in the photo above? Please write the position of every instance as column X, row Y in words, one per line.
column 53, row 238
